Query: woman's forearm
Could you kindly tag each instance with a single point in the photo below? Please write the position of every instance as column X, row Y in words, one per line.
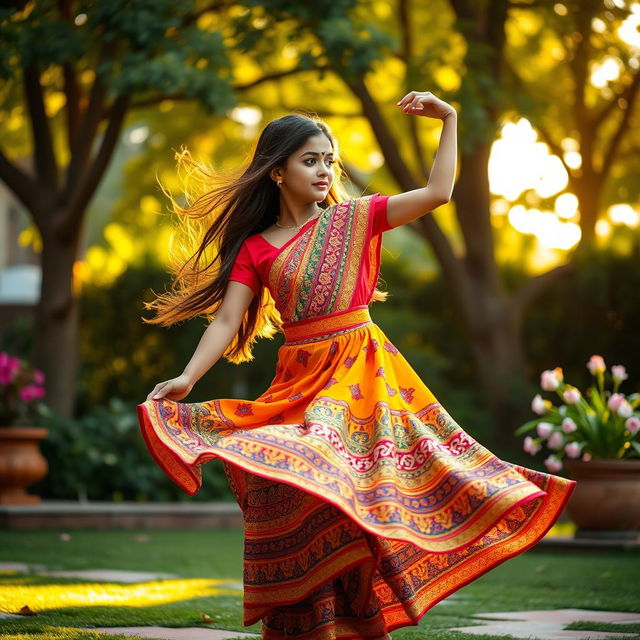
column 213, row 343
column 443, row 170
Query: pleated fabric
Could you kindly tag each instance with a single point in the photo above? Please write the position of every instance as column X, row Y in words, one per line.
column 364, row 502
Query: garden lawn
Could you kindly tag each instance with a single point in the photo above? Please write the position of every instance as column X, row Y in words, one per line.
column 209, row 566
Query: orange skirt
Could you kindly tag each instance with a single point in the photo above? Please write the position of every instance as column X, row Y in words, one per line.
column 364, row 502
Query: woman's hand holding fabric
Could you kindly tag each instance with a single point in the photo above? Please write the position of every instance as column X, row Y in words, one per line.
column 174, row 389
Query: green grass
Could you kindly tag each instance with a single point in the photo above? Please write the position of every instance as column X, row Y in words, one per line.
column 532, row 580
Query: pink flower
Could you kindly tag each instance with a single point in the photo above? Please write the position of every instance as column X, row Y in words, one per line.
column 618, row 372
column 553, row 463
column 632, row 424
column 615, row 400
column 8, row 368
column 571, row 395
column 530, row 446
column 573, row 449
column 31, row 392
column 596, row 365
column 625, row 410
column 586, row 457
column 38, row 376
column 551, row 379
column 538, row 405
column 555, row 441
column 544, row 429
column 4, row 368
column 568, row 425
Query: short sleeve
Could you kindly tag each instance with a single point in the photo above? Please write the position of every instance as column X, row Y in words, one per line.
column 378, row 211
column 244, row 271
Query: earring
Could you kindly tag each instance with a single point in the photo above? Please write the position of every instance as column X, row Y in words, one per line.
column 279, row 183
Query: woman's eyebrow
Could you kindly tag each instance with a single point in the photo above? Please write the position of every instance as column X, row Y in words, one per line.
column 315, row 153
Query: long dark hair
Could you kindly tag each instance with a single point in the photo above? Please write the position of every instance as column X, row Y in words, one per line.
column 222, row 209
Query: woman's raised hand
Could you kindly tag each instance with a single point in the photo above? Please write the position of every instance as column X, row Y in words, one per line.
column 424, row 103
column 174, row 389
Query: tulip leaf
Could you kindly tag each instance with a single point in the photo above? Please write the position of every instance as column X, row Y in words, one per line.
column 634, row 399
column 636, row 446
column 596, row 400
column 527, row 426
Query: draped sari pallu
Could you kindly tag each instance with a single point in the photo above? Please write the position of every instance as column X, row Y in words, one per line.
column 364, row 502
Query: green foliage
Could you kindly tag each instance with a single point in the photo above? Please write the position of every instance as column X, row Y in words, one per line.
column 124, row 357
column 102, row 456
column 160, row 48
column 351, row 44
column 593, row 311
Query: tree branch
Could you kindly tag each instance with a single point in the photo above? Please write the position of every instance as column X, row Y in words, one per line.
column 181, row 97
column 405, row 55
column 92, row 177
column 45, row 162
column 534, row 287
column 610, row 153
column 71, row 88
column 388, row 147
column 215, row 6
column 322, row 113
column 277, row 75
column 578, row 65
column 556, row 149
column 21, row 184
column 84, row 139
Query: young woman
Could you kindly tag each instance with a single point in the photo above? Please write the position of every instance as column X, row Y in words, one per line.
column 364, row 502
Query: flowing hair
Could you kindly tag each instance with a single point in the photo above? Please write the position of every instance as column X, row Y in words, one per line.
column 222, row 209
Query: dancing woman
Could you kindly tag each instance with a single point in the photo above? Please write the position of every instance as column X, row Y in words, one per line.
column 364, row 502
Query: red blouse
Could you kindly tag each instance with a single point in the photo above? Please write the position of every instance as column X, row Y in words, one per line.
column 257, row 254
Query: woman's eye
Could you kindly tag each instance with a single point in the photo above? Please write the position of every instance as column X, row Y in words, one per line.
column 313, row 160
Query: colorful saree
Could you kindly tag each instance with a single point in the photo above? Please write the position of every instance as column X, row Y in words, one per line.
column 364, row 502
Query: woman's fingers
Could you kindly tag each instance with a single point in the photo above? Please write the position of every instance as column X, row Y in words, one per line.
column 173, row 389
column 158, row 391
column 408, row 96
column 417, row 102
column 164, row 389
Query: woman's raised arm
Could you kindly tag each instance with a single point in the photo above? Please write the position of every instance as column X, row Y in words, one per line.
column 405, row 207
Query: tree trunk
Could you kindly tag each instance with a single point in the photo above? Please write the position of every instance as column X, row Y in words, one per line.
column 499, row 363
column 494, row 331
column 57, row 322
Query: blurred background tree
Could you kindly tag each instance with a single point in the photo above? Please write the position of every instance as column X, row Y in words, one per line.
column 72, row 72
column 531, row 265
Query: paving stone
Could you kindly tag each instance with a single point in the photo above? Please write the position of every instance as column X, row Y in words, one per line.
column 168, row 633
column 8, row 615
column 21, row 567
column 101, row 575
column 549, row 624
column 113, row 575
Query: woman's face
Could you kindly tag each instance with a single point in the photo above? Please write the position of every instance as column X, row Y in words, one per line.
column 308, row 172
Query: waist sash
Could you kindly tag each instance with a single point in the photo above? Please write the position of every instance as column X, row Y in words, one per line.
column 326, row 326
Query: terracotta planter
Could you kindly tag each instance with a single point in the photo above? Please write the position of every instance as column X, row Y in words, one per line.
column 606, row 497
column 21, row 463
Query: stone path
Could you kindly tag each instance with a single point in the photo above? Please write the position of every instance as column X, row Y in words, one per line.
column 183, row 633
column 100, row 575
column 533, row 625
column 549, row 625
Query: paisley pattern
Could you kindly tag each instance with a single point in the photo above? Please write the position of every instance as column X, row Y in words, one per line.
column 364, row 502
